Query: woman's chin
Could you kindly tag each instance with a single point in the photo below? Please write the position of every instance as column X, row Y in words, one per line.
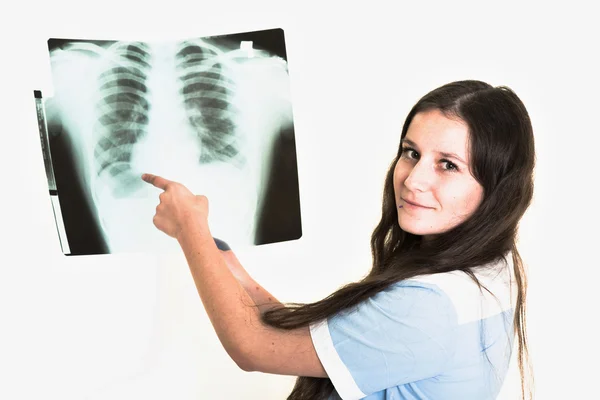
column 414, row 228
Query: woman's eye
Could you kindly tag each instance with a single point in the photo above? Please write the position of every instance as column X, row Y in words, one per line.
column 408, row 150
column 450, row 166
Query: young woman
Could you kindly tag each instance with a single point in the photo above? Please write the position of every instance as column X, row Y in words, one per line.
column 437, row 315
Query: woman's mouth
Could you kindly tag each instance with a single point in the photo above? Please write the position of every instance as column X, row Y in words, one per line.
column 415, row 206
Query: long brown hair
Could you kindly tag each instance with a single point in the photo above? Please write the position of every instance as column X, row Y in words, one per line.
column 503, row 159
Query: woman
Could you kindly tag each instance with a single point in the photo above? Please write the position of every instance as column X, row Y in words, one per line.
column 436, row 316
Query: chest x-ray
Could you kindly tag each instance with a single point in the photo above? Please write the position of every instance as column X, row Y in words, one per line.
column 212, row 113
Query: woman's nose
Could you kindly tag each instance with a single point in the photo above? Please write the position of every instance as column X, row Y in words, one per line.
column 421, row 177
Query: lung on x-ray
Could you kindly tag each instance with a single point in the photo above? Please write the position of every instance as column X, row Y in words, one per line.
column 213, row 113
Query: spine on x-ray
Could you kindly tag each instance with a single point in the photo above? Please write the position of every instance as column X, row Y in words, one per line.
column 207, row 90
column 122, row 110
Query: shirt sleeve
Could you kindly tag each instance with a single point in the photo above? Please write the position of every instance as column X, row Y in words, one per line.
column 403, row 334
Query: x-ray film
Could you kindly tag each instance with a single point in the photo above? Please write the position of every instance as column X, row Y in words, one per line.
column 213, row 113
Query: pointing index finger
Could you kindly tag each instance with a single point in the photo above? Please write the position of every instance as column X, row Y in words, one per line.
column 157, row 181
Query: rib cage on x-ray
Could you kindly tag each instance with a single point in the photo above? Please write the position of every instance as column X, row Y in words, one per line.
column 124, row 108
column 123, row 113
column 187, row 111
column 207, row 90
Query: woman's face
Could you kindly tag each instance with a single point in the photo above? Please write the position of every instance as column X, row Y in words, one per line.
column 433, row 174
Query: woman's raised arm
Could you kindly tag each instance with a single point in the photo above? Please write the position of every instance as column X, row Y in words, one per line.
column 221, row 283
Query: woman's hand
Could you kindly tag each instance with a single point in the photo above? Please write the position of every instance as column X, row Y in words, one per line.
column 178, row 207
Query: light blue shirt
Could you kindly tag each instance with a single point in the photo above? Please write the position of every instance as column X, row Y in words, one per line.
column 434, row 337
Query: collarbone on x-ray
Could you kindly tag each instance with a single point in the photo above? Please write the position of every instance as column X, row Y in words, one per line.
column 192, row 111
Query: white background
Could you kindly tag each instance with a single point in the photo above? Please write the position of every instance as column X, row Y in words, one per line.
column 133, row 327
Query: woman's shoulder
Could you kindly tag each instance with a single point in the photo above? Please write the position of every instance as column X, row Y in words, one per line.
column 471, row 301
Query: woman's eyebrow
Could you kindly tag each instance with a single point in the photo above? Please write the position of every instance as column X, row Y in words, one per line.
column 443, row 154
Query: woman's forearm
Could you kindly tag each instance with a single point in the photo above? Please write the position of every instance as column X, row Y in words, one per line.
column 259, row 295
column 232, row 299
column 253, row 345
column 230, row 308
